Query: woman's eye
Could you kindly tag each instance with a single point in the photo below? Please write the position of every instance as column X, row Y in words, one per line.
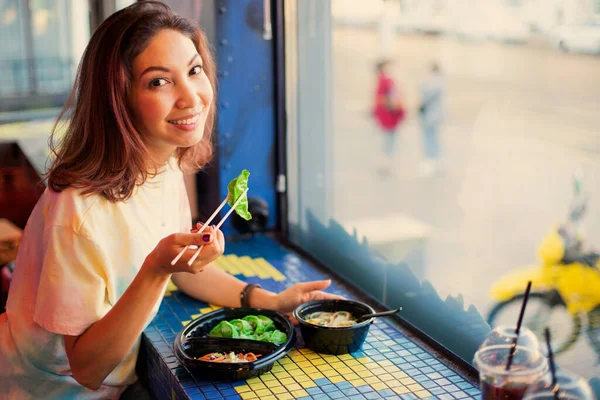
column 158, row 82
column 196, row 70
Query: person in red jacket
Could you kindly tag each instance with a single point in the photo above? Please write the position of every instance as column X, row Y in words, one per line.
column 389, row 111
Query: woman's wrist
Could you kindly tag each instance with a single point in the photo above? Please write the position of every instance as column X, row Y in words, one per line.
column 261, row 298
column 153, row 272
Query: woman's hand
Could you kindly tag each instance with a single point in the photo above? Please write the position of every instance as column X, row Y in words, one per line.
column 159, row 260
column 303, row 292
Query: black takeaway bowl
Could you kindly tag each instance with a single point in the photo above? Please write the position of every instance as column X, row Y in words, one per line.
column 334, row 340
column 193, row 342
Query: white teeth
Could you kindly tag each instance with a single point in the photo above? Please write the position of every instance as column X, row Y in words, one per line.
column 187, row 121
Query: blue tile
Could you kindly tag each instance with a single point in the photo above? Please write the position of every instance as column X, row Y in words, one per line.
column 364, row 389
column 460, row 395
column 428, row 384
column 433, row 375
column 437, row 390
column 212, row 394
column 372, row 396
column 350, row 391
column 451, row 388
column 228, row 392
column 464, row 385
column 343, row 385
column 221, row 386
column 189, row 384
column 408, row 396
column 328, row 388
column 192, row 391
column 314, row 390
column 386, row 392
column 322, row 381
column 336, row 394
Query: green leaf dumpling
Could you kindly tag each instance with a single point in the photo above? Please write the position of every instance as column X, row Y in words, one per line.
column 258, row 325
column 235, row 188
column 278, row 337
column 269, row 325
column 264, row 337
column 244, row 327
column 226, row 330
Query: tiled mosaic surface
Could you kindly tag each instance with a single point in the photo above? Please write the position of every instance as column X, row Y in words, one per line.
column 390, row 364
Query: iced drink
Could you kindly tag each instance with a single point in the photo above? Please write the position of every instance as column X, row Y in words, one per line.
column 528, row 366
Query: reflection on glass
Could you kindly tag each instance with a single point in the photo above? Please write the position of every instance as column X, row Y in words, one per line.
column 51, row 45
column 453, row 216
column 13, row 49
column 42, row 42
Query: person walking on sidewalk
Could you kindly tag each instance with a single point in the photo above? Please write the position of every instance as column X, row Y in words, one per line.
column 389, row 111
column 431, row 115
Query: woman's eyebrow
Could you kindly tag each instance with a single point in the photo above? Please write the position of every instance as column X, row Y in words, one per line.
column 165, row 69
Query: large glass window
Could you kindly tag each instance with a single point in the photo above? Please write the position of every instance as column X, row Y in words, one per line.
column 42, row 42
column 442, row 153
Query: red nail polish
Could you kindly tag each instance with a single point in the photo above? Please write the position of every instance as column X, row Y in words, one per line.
column 206, row 237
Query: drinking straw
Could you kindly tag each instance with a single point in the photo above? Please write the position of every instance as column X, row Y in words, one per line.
column 513, row 346
column 551, row 361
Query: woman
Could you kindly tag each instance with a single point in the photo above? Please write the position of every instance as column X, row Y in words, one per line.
column 95, row 256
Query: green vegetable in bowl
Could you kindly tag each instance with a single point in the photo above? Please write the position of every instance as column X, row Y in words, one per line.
column 278, row 337
column 254, row 327
column 244, row 327
column 226, row 330
column 258, row 325
column 264, row 337
column 269, row 325
column 235, row 189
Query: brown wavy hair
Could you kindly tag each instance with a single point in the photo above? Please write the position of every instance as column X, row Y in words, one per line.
column 101, row 151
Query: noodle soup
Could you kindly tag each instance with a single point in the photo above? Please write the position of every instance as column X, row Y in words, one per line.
column 331, row 319
column 334, row 326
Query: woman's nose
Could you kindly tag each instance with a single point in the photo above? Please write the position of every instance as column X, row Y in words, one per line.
column 188, row 97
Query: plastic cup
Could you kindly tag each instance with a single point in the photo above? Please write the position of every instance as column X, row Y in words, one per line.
column 569, row 387
column 528, row 364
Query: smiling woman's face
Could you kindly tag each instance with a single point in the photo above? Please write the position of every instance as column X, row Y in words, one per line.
column 171, row 95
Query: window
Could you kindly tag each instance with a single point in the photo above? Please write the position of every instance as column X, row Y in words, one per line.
column 449, row 208
column 44, row 40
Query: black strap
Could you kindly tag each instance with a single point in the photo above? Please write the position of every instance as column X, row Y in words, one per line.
column 245, row 294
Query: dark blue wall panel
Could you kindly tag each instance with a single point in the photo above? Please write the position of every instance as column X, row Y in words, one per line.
column 246, row 118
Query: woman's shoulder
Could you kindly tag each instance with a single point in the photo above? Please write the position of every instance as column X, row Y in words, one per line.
column 69, row 207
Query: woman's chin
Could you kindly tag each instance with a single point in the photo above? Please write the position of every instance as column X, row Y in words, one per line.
column 191, row 140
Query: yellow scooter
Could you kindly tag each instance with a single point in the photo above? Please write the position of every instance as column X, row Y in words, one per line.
column 565, row 292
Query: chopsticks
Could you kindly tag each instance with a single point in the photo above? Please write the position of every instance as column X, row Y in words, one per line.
column 206, row 224
column 232, row 209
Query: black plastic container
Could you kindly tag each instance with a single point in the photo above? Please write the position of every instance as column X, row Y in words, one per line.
column 334, row 340
column 193, row 341
column 198, row 347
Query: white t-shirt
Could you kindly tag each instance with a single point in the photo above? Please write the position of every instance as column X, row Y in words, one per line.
column 77, row 256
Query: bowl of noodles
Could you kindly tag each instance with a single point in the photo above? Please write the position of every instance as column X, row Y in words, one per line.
column 334, row 326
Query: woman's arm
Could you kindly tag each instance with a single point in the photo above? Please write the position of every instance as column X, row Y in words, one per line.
column 216, row 286
column 94, row 354
column 101, row 348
